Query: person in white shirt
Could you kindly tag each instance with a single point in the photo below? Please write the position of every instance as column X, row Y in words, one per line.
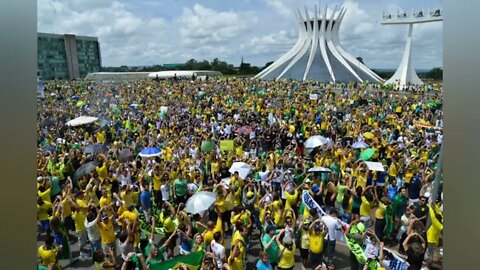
column 218, row 249
column 333, row 224
column 93, row 232
column 165, row 188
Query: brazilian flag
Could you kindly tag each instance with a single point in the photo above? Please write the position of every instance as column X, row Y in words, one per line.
column 193, row 261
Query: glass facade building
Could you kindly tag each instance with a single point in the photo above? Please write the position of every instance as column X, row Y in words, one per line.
column 67, row 56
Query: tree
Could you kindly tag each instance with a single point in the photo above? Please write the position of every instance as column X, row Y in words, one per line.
column 435, row 74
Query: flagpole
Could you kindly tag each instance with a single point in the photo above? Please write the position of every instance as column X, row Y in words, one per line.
column 436, row 182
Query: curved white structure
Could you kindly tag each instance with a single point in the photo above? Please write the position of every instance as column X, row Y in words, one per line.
column 317, row 54
column 406, row 74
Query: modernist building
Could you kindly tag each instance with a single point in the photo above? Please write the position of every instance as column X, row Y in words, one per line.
column 67, row 56
column 318, row 54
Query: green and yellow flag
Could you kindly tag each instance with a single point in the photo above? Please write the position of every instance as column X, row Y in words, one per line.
column 356, row 249
column 193, row 261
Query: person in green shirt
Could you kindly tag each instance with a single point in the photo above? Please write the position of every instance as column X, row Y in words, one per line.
column 399, row 204
column 154, row 252
column 180, row 189
column 270, row 245
column 299, row 176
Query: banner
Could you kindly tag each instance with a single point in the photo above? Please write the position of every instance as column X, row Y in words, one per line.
column 357, row 250
column 396, row 263
column 375, row 166
column 193, row 261
column 226, row 145
column 311, row 203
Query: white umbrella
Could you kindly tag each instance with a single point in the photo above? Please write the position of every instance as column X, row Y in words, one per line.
column 360, row 144
column 200, row 202
column 82, row 120
column 319, row 169
column 242, row 168
column 315, row 141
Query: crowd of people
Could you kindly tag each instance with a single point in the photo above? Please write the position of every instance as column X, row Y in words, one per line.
column 129, row 211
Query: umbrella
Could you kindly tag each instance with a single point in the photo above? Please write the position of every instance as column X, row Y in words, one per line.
column 82, row 120
column 50, row 148
column 319, row 169
column 150, row 152
column 125, row 155
column 315, row 141
column 75, row 97
column 200, row 202
column 242, row 168
column 85, row 169
column 95, row 148
column 360, row 144
column 134, row 105
column 367, row 154
column 368, row 135
column 244, row 130
column 80, row 103
column 208, row 146
column 104, row 122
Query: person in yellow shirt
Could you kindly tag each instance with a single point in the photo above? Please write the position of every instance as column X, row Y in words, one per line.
column 212, row 228
column 79, row 217
column 129, row 215
column 316, row 232
column 433, row 232
column 169, row 215
column 393, row 169
column 240, row 234
column 101, row 136
column 43, row 208
column 106, row 201
column 236, row 260
column 287, row 249
column 102, row 170
column 49, row 253
column 291, row 195
column 366, row 206
column 107, row 234
column 380, row 221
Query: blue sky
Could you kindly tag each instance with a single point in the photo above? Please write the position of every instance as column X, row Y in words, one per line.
column 147, row 32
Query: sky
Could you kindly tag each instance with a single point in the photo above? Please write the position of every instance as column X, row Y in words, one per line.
column 149, row 32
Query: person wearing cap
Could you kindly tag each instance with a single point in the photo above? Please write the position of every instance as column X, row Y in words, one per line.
column 270, row 246
column 287, row 252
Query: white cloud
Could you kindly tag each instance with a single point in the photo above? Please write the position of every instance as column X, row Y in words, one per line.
column 203, row 26
column 133, row 33
column 123, row 35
